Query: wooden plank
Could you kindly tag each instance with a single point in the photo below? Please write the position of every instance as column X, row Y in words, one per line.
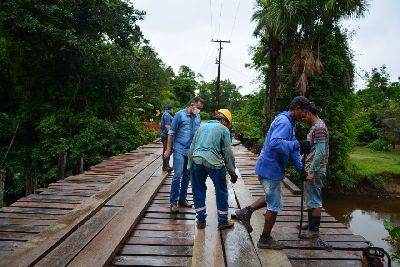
column 73, row 244
column 117, row 231
column 9, row 245
column 22, row 228
column 267, row 257
column 24, row 221
column 327, row 238
column 34, row 210
column 159, row 241
column 312, row 244
column 44, row 205
column 15, row 236
column 43, row 243
column 165, row 227
column 207, row 248
column 165, row 221
column 134, row 185
column 147, row 250
column 322, row 254
column 185, row 216
column 151, row 261
column 326, row 263
column 29, row 216
column 161, row 234
column 167, row 210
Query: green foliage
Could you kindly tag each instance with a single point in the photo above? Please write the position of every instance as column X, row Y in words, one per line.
column 379, row 145
column 394, row 238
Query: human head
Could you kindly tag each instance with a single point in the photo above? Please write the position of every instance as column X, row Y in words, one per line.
column 169, row 108
column 298, row 107
column 225, row 117
column 311, row 115
column 195, row 105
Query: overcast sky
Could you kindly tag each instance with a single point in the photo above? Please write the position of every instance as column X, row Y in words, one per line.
column 181, row 32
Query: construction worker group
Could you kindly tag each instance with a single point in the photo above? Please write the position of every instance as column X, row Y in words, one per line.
column 201, row 151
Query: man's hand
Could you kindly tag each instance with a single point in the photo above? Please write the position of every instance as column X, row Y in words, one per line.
column 303, row 175
column 234, row 177
column 305, row 147
column 167, row 153
column 309, row 177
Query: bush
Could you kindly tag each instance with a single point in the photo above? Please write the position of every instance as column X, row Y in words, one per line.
column 379, row 145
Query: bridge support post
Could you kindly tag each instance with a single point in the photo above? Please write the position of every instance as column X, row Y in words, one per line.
column 62, row 162
column 30, row 183
column 2, row 182
column 79, row 165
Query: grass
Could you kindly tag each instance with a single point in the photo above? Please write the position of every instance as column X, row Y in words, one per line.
column 369, row 162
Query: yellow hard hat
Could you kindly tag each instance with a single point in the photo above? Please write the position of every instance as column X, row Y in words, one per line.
column 226, row 113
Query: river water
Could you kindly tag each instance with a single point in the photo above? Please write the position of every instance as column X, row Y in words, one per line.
column 365, row 216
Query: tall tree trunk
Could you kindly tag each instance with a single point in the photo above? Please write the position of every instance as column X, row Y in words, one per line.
column 270, row 93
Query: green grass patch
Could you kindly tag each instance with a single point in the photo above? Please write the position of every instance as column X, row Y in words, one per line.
column 369, row 162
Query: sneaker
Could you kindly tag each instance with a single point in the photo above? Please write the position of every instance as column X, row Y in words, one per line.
column 201, row 224
column 309, row 234
column 185, row 204
column 244, row 216
column 269, row 243
column 174, row 208
column 226, row 224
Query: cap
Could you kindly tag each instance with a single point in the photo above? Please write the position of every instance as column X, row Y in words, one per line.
column 314, row 109
column 300, row 101
column 169, row 106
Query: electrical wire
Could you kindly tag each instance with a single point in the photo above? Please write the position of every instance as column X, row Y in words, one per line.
column 234, row 21
column 211, row 19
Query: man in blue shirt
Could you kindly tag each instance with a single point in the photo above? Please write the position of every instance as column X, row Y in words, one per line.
column 211, row 155
column 180, row 136
column 280, row 146
column 166, row 121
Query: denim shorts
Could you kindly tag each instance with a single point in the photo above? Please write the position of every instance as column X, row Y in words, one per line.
column 312, row 191
column 272, row 190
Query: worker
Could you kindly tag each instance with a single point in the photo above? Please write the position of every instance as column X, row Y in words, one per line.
column 180, row 136
column 211, row 155
column 315, row 166
column 280, row 146
column 166, row 120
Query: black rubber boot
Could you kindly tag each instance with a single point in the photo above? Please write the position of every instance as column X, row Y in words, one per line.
column 313, row 229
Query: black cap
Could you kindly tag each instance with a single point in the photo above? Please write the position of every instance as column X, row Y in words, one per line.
column 169, row 107
column 301, row 102
column 314, row 109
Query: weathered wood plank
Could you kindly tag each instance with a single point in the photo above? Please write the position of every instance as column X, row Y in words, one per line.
column 43, row 243
column 73, row 244
column 151, row 261
column 117, row 231
column 207, row 248
column 159, row 241
column 156, row 250
column 165, row 227
column 161, row 234
column 326, row 263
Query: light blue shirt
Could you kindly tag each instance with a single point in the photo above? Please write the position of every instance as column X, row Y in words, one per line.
column 280, row 146
column 166, row 119
column 183, row 128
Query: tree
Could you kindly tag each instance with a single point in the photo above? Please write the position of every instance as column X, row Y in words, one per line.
column 184, row 85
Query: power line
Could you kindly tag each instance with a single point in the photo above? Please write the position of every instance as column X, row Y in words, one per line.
column 234, row 21
column 211, row 17
column 217, row 91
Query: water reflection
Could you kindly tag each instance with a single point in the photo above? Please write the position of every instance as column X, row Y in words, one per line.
column 365, row 216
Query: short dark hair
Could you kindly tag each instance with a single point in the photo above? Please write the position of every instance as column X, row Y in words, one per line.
column 196, row 99
column 299, row 102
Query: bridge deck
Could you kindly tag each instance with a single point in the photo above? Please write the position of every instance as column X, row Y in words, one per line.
column 117, row 214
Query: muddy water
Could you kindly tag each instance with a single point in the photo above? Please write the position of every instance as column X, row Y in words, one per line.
column 365, row 216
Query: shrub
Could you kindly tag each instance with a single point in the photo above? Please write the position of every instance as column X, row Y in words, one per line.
column 379, row 145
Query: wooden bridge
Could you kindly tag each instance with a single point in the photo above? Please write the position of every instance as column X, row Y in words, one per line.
column 117, row 214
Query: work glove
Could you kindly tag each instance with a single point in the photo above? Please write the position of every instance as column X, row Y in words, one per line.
column 305, row 147
column 303, row 175
column 234, row 177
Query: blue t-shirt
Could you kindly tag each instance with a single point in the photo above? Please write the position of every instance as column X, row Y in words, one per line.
column 280, row 146
column 183, row 127
column 166, row 119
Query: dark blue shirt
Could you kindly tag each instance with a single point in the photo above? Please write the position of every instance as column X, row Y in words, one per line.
column 280, row 146
column 183, row 127
column 166, row 119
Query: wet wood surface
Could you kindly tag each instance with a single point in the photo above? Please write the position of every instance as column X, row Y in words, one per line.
column 117, row 214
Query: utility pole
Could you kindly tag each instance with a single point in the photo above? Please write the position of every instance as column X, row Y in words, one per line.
column 218, row 61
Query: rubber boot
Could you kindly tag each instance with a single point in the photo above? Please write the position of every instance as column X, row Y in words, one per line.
column 304, row 226
column 313, row 229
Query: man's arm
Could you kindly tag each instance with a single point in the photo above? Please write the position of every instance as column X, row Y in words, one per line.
column 227, row 153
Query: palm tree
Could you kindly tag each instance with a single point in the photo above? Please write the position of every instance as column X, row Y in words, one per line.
column 280, row 22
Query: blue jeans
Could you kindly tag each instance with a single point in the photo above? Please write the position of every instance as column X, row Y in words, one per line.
column 272, row 190
column 312, row 191
column 180, row 180
column 199, row 176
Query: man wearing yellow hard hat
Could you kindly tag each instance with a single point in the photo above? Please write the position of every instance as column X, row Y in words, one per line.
column 211, row 155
